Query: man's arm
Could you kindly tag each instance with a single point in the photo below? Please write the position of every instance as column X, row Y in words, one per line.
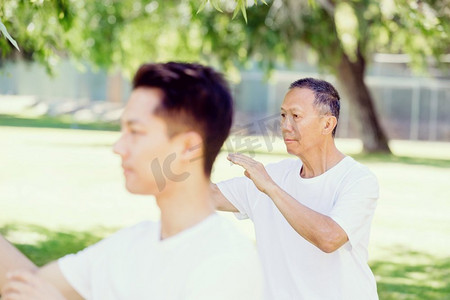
column 27, row 285
column 320, row 230
column 52, row 274
column 219, row 200
column 12, row 260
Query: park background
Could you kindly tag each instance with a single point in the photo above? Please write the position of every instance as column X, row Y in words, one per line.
column 61, row 187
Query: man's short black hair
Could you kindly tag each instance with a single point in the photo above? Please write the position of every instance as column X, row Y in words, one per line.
column 195, row 97
column 327, row 99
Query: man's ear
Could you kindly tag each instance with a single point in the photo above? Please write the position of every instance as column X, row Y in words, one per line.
column 192, row 146
column 329, row 124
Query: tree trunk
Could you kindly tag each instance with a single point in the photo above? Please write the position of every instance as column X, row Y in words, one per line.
column 114, row 87
column 351, row 78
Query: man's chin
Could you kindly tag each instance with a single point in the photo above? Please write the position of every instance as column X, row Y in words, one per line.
column 138, row 190
column 289, row 149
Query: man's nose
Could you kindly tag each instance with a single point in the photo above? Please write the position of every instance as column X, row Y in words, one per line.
column 119, row 146
column 286, row 124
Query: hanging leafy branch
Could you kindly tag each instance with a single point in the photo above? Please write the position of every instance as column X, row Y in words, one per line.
column 340, row 35
column 241, row 6
column 4, row 31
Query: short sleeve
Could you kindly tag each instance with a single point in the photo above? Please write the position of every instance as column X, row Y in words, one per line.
column 237, row 191
column 355, row 207
column 79, row 268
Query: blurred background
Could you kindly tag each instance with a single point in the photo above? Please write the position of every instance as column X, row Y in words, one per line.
column 65, row 72
column 390, row 59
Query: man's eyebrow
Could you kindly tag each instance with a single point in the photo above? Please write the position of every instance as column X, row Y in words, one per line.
column 131, row 122
column 293, row 109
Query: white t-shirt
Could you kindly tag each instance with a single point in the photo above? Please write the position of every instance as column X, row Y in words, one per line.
column 210, row 260
column 294, row 268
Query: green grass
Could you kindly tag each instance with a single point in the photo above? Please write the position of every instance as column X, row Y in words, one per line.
column 61, row 190
column 64, row 121
column 402, row 160
column 416, row 276
column 42, row 245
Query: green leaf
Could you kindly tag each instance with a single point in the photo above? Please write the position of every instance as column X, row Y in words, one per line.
column 312, row 4
column 244, row 10
column 240, row 6
column 263, row 1
column 236, row 11
column 215, row 5
column 8, row 36
column 202, row 6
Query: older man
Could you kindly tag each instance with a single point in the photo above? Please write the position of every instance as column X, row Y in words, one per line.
column 312, row 214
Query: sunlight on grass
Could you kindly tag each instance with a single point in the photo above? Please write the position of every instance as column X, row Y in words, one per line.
column 50, row 245
column 62, row 190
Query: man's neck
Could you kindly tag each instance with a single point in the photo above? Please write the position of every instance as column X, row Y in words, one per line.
column 184, row 205
column 320, row 160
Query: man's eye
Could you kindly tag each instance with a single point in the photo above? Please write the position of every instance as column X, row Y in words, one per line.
column 283, row 115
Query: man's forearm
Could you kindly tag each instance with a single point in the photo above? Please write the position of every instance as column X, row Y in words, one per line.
column 12, row 259
column 318, row 229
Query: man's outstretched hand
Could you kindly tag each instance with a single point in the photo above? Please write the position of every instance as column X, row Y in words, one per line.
column 253, row 170
column 25, row 285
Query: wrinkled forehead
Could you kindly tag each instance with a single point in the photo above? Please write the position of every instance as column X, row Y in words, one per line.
column 298, row 99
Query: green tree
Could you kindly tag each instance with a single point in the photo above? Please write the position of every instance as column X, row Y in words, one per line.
column 108, row 34
column 343, row 35
column 39, row 27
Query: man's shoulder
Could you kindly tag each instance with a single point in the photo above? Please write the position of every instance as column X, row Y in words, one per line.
column 227, row 241
column 358, row 175
column 142, row 226
column 224, row 237
column 229, row 233
column 357, row 169
column 133, row 232
column 232, row 259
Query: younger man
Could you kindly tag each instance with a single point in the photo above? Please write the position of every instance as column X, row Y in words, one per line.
column 175, row 122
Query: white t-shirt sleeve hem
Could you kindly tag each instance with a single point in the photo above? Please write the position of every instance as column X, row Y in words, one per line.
column 65, row 265
column 342, row 224
column 355, row 208
column 241, row 215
